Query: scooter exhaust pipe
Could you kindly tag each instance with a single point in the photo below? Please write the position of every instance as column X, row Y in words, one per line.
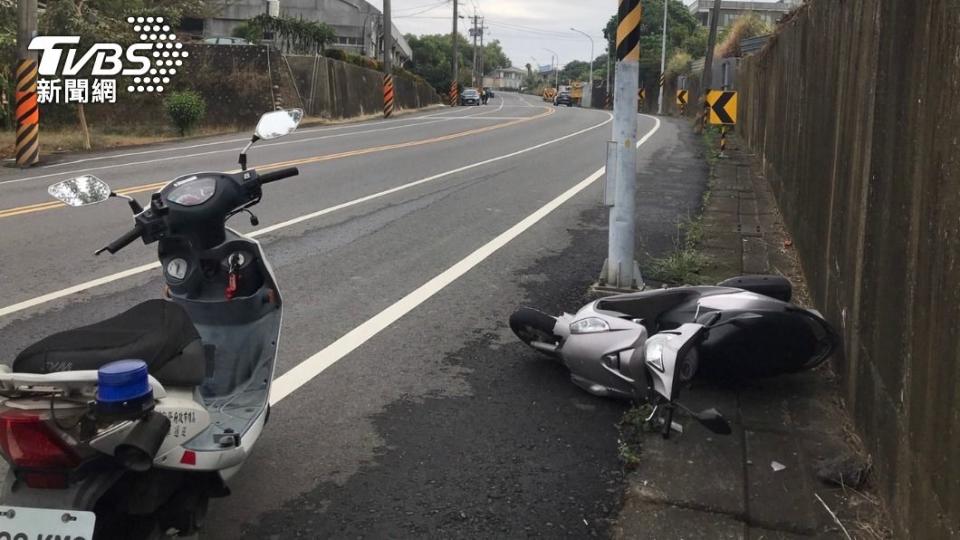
column 140, row 446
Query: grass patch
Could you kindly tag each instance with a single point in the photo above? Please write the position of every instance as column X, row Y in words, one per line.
column 684, row 265
column 633, row 424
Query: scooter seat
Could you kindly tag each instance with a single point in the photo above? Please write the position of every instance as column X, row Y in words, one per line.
column 158, row 332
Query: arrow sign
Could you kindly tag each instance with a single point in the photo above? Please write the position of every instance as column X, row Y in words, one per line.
column 641, row 94
column 723, row 107
column 681, row 97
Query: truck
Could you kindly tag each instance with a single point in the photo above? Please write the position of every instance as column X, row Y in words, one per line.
column 549, row 94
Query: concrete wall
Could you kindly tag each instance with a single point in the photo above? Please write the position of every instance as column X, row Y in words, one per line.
column 239, row 83
column 334, row 89
column 854, row 108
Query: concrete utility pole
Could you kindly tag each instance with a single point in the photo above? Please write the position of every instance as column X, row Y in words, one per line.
column 388, row 89
column 483, row 30
column 474, row 33
column 622, row 271
column 663, row 58
column 454, row 86
column 387, row 38
column 706, row 80
column 588, row 96
column 26, row 108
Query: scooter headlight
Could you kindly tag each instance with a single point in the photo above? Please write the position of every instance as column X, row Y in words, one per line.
column 590, row 325
column 654, row 353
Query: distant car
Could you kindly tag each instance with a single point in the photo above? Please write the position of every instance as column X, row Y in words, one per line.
column 470, row 96
column 563, row 98
column 223, row 40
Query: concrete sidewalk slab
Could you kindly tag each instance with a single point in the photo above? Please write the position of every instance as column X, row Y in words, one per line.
column 761, row 481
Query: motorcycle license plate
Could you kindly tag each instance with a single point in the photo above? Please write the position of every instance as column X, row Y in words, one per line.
column 17, row 523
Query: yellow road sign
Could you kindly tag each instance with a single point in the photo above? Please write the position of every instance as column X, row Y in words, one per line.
column 642, row 94
column 681, row 97
column 723, row 107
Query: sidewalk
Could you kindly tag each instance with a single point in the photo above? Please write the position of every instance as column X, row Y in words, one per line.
column 789, row 434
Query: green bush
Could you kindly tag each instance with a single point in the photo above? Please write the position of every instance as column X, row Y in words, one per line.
column 186, row 110
column 335, row 54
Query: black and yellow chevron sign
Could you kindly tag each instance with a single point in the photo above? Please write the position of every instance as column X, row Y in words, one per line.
column 629, row 16
column 663, row 80
column 642, row 94
column 681, row 97
column 722, row 106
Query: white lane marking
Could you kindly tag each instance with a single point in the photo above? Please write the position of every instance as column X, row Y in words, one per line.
column 210, row 152
column 306, row 370
column 49, row 297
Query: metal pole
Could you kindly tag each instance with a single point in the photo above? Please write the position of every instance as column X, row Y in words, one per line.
column 556, row 70
column 588, row 98
column 26, row 108
column 455, row 84
column 621, row 270
column 388, row 90
column 482, row 56
column 663, row 58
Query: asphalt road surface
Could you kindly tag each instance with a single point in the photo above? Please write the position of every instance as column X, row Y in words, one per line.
column 435, row 421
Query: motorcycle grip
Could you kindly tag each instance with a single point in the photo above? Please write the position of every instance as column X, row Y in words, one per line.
column 125, row 240
column 278, row 175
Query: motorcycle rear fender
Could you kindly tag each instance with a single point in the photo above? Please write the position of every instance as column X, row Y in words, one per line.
column 82, row 495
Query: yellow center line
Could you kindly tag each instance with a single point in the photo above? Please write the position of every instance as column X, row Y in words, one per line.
column 40, row 207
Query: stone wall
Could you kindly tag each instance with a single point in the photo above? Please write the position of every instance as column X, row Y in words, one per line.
column 854, row 108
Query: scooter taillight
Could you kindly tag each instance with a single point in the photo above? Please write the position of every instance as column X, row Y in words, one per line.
column 29, row 443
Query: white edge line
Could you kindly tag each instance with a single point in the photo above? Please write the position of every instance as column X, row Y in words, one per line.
column 306, row 370
column 49, row 297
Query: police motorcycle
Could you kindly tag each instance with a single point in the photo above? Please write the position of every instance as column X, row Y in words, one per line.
column 127, row 427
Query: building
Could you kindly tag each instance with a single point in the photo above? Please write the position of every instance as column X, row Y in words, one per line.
column 510, row 78
column 357, row 23
column 770, row 12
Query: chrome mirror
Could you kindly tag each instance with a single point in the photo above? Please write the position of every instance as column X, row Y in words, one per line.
column 80, row 191
column 276, row 124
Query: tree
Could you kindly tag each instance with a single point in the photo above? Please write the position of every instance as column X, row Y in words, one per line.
column 577, row 70
column 684, row 32
column 494, row 57
column 433, row 59
column 105, row 21
column 293, row 34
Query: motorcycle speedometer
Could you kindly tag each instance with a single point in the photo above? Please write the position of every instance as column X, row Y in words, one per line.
column 193, row 190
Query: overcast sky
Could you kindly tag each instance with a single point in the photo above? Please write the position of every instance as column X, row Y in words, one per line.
column 525, row 28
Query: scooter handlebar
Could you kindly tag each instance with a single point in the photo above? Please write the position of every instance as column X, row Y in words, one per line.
column 278, row 175
column 123, row 241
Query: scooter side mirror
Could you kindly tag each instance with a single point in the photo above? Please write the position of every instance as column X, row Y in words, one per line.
column 714, row 421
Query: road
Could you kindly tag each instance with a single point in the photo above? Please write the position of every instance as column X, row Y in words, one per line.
column 433, row 420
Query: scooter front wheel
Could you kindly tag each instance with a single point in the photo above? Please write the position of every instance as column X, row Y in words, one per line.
column 532, row 325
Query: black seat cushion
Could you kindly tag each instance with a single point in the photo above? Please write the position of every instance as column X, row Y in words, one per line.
column 158, row 332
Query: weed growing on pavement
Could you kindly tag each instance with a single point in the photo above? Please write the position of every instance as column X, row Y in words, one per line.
column 633, row 424
column 684, row 264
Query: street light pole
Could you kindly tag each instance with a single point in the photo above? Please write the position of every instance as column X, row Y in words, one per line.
column 556, row 70
column 663, row 59
column 589, row 97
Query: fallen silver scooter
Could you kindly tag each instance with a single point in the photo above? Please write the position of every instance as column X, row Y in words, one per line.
column 644, row 346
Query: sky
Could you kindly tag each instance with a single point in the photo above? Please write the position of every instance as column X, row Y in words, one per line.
column 525, row 28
